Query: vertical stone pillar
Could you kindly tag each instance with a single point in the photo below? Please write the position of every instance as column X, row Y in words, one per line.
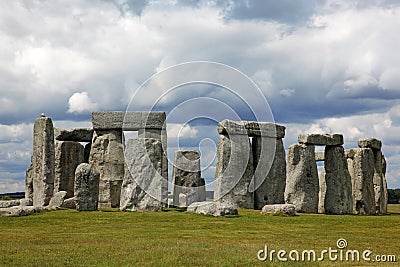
column 379, row 179
column 270, row 178
column 338, row 197
column 40, row 175
column 107, row 156
column 322, row 192
column 361, row 167
column 302, row 184
column 186, row 177
column 234, row 171
column 86, row 187
column 142, row 188
column 68, row 155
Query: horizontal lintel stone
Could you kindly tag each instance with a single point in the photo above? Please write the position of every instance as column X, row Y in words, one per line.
column 127, row 121
column 321, row 139
column 73, row 134
column 370, row 143
column 251, row 128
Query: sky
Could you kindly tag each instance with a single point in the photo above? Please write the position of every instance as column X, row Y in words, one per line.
column 322, row 65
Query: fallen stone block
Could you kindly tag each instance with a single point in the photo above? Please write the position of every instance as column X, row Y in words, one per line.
column 9, row 203
column 57, row 200
column 278, row 209
column 215, row 209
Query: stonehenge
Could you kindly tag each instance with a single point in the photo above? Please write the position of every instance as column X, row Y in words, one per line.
column 92, row 168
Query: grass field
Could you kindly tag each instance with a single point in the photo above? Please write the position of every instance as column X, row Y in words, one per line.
column 113, row 238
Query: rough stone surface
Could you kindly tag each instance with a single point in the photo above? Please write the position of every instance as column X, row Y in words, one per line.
column 321, row 139
column 338, row 196
column 58, row 199
column 26, row 202
column 251, row 128
column 74, row 134
column 9, row 203
column 322, row 192
column 319, row 156
column 271, row 178
column 107, row 156
column 380, row 186
column 29, row 182
column 370, row 143
column 361, row 169
column 68, row 155
column 69, row 203
column 134, row 121
column 143, row 185
column 234, row 171
column 86, row 152
column 20, row 210
column 302, row 183
column 350, row 153
column 186, row 177
column 287, row 209
column 86, row 187
column 40, row 178
column 213, row 208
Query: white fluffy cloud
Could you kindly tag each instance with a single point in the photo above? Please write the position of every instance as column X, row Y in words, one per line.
column 81, row 103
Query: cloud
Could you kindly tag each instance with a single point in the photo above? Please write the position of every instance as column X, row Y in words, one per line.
column 81, row 103
column 181, row 131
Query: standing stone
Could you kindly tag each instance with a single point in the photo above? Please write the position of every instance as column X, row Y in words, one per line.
column 234, row 171
column 338, row 197
column 143, row 185
column 86, row 153
column 322, row 192
column 361, row 169
column 380, row 186
column 107, row 156
column 40, row 175
column 86, row 187
column 302, row 185
column 272, row 178
column 68, row 155
column 29, row 183
column 186, row 177
column 385, row 197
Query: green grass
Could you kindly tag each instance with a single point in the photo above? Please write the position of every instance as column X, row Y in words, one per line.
column 113, row 238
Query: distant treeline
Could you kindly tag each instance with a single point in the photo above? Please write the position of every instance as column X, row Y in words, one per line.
column 16, row 195
column 394, row 196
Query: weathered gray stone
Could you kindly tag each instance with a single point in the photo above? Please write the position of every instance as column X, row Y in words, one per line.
column 319, row 156
column 69, row 203
column 338, row 197
column 68, row 155
column 9, row 203
column 26, row 202
column 322, row 192
column 86, row 152
column 277, row 209
column 186, row 177
column 302, row 183
column 380, row 186
column 143, row 185
column 271, row 178
column 251, row 128
column 20, row 210
column 74, row 134
column 128, row 121
column 107, row 156
column 361, row 169
column 159, row 134
column 41, row 173
column 215, row 209
column 350, row 153
column 29, row 182
column 321, row 139
column 57, row 200
column 86, row 187
column 370, row 143
column 234, row 171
